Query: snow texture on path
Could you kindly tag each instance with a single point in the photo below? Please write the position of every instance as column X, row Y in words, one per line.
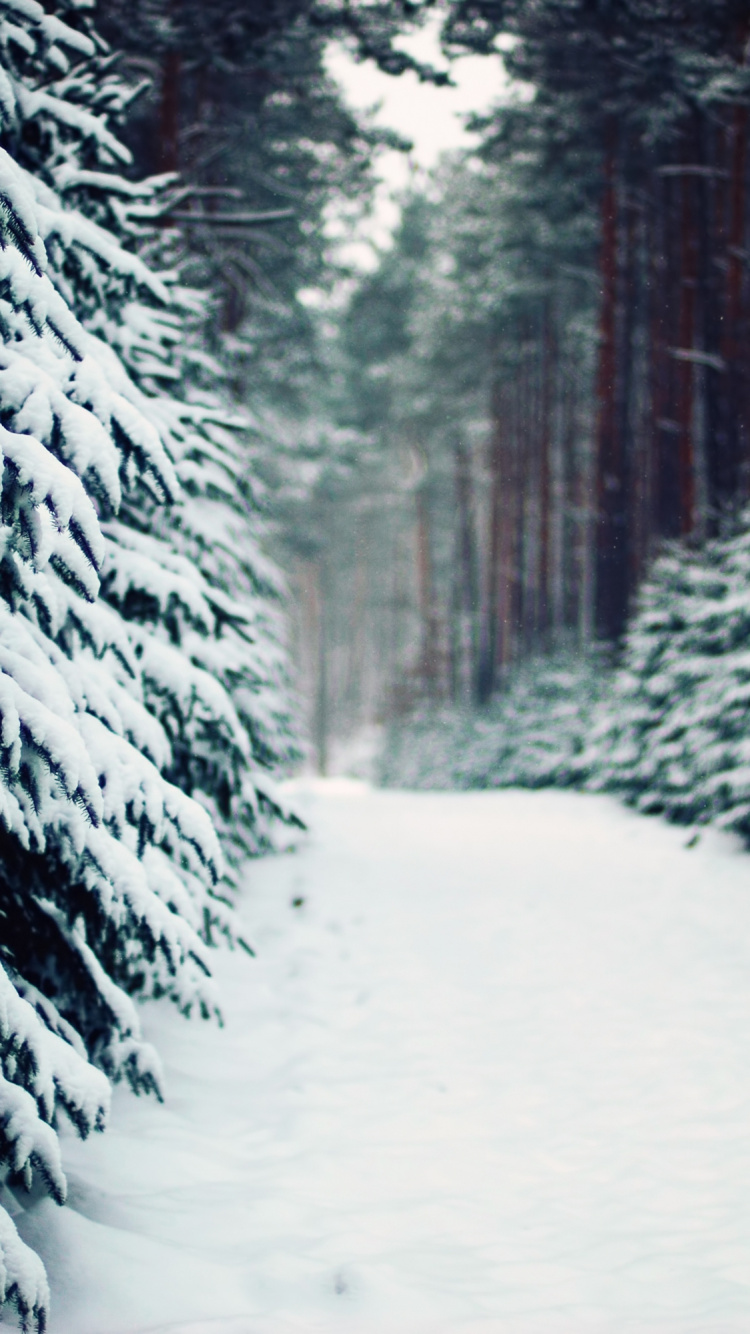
column 492, row 1074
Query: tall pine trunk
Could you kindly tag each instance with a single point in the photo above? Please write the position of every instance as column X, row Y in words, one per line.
column 491, row 622
column 612, row 556
column 728, row 456
column 465, row 580
column 169, row 112
column 684, row 356
column 429, row 666
column 547, row 406
column 665, row 316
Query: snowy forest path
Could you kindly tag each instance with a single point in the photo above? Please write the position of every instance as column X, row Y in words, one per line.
column 489, row 1072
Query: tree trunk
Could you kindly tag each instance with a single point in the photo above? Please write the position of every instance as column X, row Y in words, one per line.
column 466, row 648
column 727, row 456
column 490, row 628
column 612, row 557
column 685, row 366
column 321, row 691
column 664, row 339
column 549, row 365
column 429, row 664
column 169, row 113
column 522, row 589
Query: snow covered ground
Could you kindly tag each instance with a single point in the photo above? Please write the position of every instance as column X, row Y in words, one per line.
column 491, row 1074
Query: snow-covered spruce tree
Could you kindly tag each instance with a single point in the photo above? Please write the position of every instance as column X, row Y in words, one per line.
column 673, row 735
column 201, row 598
column 208, row 635
column 230, row 724
column 107, row 869
column 235, row 724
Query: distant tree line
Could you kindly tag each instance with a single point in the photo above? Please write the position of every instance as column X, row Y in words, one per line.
column 560, row 338
column 642, row 107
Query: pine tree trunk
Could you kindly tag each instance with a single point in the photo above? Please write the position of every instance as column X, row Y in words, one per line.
column 567, row 570
column 642, row 461
column 585, row 569
column 354, row 692
column 685, row 366
column 549, row 359
column 321, row 728
column 666, row 269
column 429, row 665
column 467, row 648
column 511, row 537
column 516, row 638
column 726, row 473
column 627, row 314
column 612, row 557
column 707, row 327
column 169, row 112
column 491, row 626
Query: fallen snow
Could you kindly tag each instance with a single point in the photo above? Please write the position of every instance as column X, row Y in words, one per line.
column 493, row 1074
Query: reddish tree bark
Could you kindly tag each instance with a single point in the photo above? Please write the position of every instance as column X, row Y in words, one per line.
column 466, row 583
column 665, row 269
column 169, row 112
column 611, row 536
column 549, row 361
column 512, row 535
column 491, row 619
column 728, row 456
column 429, row 667
column 686, row 346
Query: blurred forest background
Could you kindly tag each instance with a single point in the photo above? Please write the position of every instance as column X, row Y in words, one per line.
column 474, row 451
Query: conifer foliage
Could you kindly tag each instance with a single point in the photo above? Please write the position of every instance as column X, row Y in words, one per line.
column 114, row 714
column 672, row 734
column 533, row 735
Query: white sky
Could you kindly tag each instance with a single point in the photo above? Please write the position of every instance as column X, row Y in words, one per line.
column 432, row 118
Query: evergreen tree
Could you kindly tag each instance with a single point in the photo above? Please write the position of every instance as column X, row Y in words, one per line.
column 110, row 873
column 671, row 736
column 214, row 611
column 241, row 104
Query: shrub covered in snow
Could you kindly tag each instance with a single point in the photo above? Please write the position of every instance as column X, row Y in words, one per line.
column 674, row 736
column 134, row 675
column 531, row 735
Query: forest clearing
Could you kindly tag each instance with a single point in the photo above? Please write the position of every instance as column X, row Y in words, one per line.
column 538, row 1123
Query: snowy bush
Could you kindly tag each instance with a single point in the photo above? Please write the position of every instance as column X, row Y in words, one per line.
column 531, row 735
column 133, row 671
column 674, row 734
